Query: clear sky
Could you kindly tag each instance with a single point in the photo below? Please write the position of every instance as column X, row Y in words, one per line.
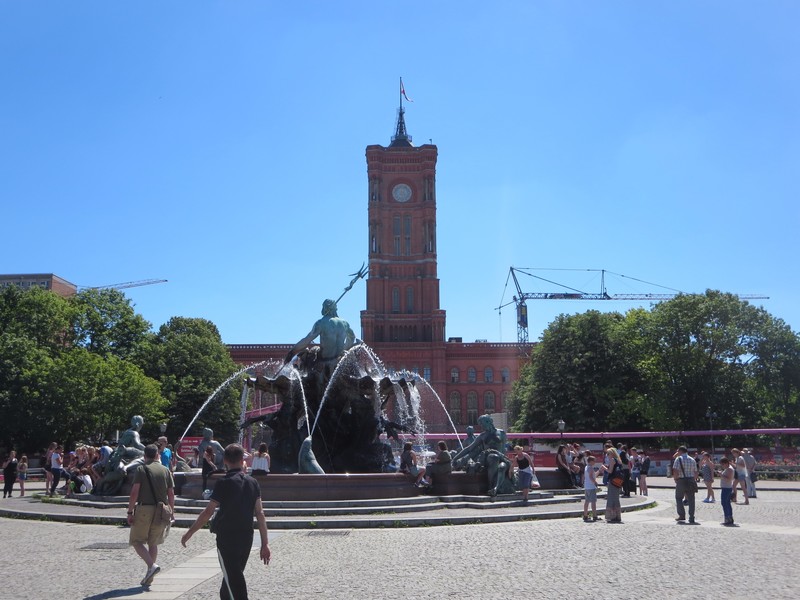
column 221, row 146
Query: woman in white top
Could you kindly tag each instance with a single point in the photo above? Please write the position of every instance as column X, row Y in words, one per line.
column 261, row 461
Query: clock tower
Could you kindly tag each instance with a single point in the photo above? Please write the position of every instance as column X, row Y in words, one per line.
column 403, row 285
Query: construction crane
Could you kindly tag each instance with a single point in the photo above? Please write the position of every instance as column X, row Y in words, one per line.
column 126, row 285
column 574, row 294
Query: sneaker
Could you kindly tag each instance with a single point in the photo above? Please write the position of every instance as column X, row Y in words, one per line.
column 679, row 519
column 151, row 573
column 691, row 521
column 597, row 519
column 587, row 520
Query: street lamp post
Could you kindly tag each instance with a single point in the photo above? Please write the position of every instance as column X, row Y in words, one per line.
column 711, row 415
column 561, row 426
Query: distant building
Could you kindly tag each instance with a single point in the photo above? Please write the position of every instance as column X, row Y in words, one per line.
column 47, row 281
column 403, row 321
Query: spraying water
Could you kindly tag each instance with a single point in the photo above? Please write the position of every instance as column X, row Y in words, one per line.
column 221, row 387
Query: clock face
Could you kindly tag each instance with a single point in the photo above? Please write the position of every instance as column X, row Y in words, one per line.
column 401, row 192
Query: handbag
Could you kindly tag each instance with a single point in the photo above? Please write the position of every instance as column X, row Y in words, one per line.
column 163, row 512
column 616, row 479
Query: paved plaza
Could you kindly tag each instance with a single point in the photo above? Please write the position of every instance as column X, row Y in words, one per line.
column 648, row 556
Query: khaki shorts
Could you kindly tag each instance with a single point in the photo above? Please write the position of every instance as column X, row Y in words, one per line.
column 143, row 530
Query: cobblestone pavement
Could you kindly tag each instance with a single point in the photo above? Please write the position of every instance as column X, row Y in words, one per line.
column 649, row 556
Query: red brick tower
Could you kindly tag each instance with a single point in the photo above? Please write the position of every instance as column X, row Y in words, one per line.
column 403, row 285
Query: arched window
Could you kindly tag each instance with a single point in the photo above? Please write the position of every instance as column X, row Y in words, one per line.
column 395, row 299
column 505, row 374
column 455, row 407
column 409, row 299
column 505, row 397
column 488, row 401
column 472, row 408
column 454, row 375
column 488, row 375
column 426, row 373
column 472, row 375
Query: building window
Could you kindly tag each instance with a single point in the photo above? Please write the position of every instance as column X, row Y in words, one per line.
column 505, row 374
column 505, row 397
column 407, row 234
column 472, row 375
column 454, row 375
column 395, row 300
column 426, row 373
column 396, row 235
column 488, row 375
column 455, row 407
column 488, row 401
column 472, row 408
column 409, row 299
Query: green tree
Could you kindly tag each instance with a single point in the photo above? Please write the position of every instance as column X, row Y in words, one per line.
column 189, row 359
column 106, row 324
column 701, row 345
column 663, row 369
column 87, row 396
column 58, row 381
column 578, row 373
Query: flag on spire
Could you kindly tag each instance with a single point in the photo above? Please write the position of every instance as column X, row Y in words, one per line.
column 403, row 91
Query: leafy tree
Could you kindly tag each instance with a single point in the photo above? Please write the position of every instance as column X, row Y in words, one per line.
column 51, row 388
column 37, row 315
column 663, row 368
column 106, row 323
column 578, row 373
column 189, row 359
column 100, row 395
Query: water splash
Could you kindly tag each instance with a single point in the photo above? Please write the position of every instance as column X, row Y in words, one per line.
column 220, row 387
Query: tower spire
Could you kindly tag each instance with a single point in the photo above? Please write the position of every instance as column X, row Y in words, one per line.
column 401, row 137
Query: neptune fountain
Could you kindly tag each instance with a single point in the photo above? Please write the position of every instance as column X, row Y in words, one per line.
column 334, row 398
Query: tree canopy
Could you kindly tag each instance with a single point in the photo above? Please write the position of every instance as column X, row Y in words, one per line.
column 663, row 369
column 79, row 368
column 189, row 359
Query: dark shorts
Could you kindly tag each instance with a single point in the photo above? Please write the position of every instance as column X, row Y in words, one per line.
column 525, row 479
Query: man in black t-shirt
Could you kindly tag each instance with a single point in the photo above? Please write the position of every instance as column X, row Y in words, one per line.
column 238, row 497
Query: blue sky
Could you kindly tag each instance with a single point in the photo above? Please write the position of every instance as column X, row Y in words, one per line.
column 221, row 146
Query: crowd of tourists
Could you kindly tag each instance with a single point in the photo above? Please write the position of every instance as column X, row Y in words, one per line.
column 79, row 469
column 624, row 471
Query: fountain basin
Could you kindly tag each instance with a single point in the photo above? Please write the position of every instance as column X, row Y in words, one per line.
column 277, row 487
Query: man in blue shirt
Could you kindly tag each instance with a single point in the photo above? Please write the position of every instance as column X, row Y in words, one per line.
column 166, row 453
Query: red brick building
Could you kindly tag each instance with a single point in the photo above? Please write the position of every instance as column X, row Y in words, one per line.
column 46, row 281
column 403, row 321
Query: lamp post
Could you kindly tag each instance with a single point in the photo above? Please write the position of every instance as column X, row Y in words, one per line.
column 711, row 415
column 561, row 426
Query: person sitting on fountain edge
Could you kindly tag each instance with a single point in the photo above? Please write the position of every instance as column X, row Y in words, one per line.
column 335, row 335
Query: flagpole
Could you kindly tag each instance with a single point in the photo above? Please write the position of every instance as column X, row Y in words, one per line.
column 401, row 94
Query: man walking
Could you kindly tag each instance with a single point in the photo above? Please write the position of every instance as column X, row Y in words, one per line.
column 238, row 497
column 152, row 484
column 684, row 471
column 750, row 463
